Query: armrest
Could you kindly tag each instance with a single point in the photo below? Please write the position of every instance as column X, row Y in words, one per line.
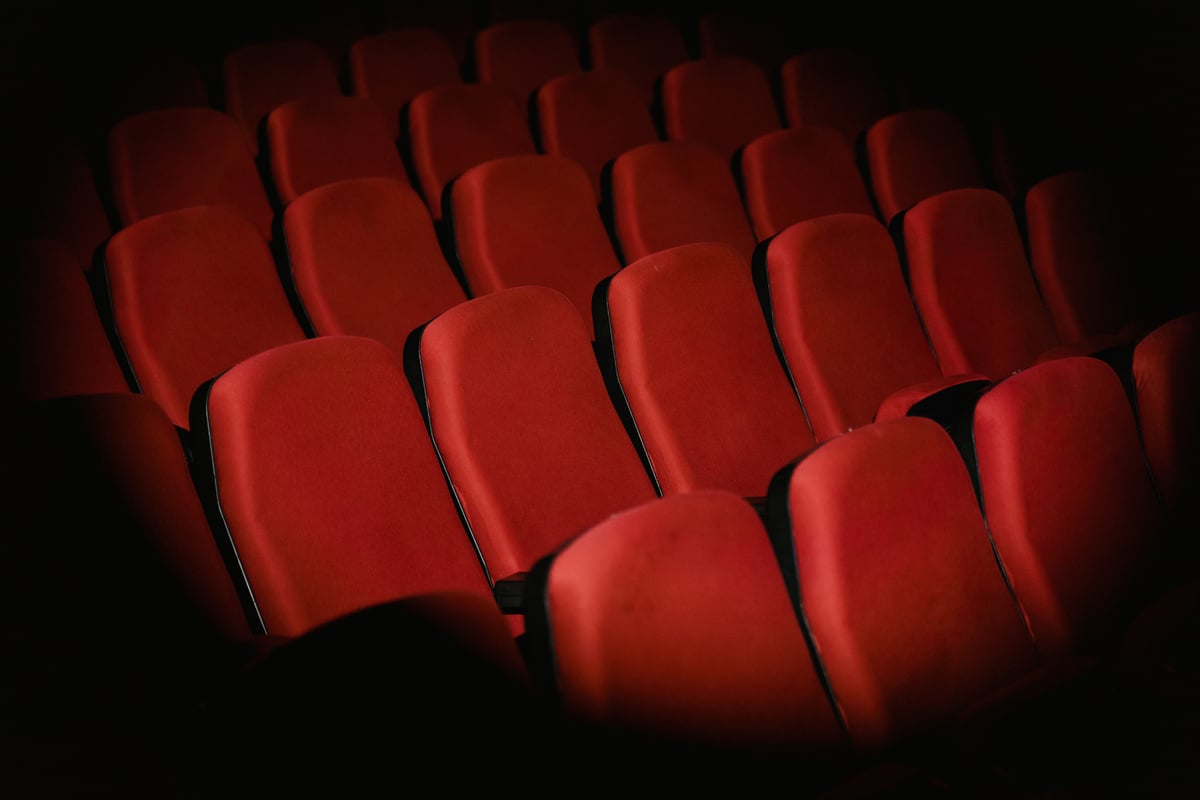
column 905, row 402
column 510, row 593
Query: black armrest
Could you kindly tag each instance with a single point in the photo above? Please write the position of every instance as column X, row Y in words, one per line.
column 510, row 593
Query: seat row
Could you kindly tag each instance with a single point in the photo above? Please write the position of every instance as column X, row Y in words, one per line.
column 168, row 157
column 902, row 600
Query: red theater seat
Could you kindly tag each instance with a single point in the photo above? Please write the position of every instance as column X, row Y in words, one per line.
column 257, row 78
column 359, row 515
column 365, row 260
column 974, row 288
column 849, row 333
column 835, row 87
column 722, row 102
column 531, row 220
column 192, row 293
column 393, row 67
column 592, row 117
column 519, row 55
column 799, row 173
column 318, row 140
column 642, row 44
column 1081, row 253
column 886, row 554
column 694, row 362
column 182, row 157
column 666, row 194
column 452, row 128
column 519, row 413
column 669, row 624
column 1069, row 502
column 63, row 198
column 917, row 153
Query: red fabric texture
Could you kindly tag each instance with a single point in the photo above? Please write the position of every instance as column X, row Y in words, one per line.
column 181, row 157
column 365, row 260
column 712, row 403
column 631, row 651
column 330, row 486
column 835, row 87
column 531, row 220
column 452, row 128
column 259, row 77
column 193, row 292
column 592, row 117
column 393, row 67
column 60, row 345
column 519, row 55
column 1166, row 375
column 665, row 194
column 1068, row 499
column 917, row 153
column 799, row 173
column 907, row 607
column 972, row 284
column 723, row 102
column 318, row 140
column 513, row 373
column 644, row 45
column 844, row 320
column 1078, row 256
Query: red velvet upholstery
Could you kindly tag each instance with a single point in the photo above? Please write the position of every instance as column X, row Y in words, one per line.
column 901, row 592
column 795, row 174
column 631, row 652
column 393, row 67
column 694, row 358
column 60, row 345
column 916, row 153
column 592, row 117
column 666, row 194
column 318, row 140
column 181, row 157
column 328, row 484
column 526, row 220
column 365, row 260
column 522, row 420
column 835, row 87
column 193, row 292
column 750, row 33
column 1078, row 255
column 643, row 44
column 257, row 78
column 842, row 316
column 1068, row 498
column 721, row 102
column 519, row 55
column 972, row 284
column 1166, row 376
column 452, row 128
column 64, row 201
